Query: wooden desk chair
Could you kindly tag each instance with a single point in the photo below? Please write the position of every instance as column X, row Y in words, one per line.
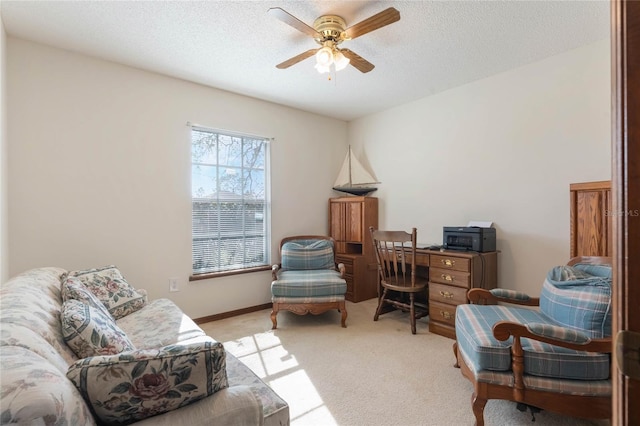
column 398, row 279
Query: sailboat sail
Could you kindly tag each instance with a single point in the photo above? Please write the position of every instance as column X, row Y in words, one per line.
column 353, row 178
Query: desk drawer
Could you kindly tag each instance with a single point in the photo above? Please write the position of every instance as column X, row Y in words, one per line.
column 447, row 294
column 450, row 277
column 440, row 312
column 450, row 262
column 421, row 259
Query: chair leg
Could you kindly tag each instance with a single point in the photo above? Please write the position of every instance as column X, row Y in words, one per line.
column 274, row 313
column 477, row 404
column 412, row 312
column 380, row 304
column 343, row 310
column 455, row 353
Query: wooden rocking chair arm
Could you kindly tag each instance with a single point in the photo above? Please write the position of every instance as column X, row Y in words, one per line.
column 502, row 330
column 483, row 296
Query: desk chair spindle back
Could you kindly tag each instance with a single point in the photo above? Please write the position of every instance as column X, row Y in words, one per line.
column 394, row 249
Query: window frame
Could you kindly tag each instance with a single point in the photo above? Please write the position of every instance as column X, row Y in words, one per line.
column 265, row 264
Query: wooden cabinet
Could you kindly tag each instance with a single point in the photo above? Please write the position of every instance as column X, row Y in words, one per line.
column 346, row 225
column 451, row 275
column 349, row 222
column 591, row 214
column 360, row 277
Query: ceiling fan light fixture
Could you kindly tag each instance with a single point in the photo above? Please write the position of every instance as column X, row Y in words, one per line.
column 324, row 57
column 323, row 68
column 340, row 60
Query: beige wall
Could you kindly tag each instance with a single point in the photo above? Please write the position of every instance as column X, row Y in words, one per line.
column 4, row 223
column 502, row 149
column 100, row 171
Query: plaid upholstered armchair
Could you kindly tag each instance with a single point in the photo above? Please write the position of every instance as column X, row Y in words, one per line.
column 556, row 358
column 307, row 280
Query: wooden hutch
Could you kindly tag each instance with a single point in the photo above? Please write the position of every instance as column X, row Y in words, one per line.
column 349, row 221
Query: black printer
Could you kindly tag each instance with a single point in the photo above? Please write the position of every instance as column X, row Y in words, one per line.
column 469, row 238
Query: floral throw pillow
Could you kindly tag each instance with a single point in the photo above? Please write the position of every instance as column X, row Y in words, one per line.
column 89, row 331
column 132, row 386
column 110, row 287
column 72, row 288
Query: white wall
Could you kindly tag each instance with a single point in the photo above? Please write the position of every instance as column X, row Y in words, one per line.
column 504, row 149
column 100, row 171
column 99, row 165
column 4, row 222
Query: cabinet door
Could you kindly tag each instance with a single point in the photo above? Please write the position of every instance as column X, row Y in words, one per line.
column 346, row 221
column 353, row 215
column 337, row 221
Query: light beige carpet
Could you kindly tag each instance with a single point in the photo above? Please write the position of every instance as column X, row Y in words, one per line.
column 371, row 373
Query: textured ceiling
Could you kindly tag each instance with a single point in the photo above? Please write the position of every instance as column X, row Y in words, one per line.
column 235, row 45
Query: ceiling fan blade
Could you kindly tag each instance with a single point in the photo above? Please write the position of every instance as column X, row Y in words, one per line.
column 379, row 20
column 358, row 61
column 297, row 58
column 289, row 19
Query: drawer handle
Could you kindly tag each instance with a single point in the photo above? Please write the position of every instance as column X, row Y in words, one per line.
column 446, row 315
column 448, row 262
column 447, row 277
column 446, row 294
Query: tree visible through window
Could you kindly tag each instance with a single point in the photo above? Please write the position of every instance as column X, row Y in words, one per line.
column 230, row 206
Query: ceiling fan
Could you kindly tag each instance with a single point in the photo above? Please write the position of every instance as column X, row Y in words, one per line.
column 331, row 30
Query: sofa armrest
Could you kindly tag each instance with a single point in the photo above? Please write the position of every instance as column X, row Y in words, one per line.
column 481, row 296
column 236, row 405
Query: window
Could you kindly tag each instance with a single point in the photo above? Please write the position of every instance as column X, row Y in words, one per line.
column 230, row 205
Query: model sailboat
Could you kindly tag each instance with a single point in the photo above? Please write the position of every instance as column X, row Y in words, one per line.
column 353, row 178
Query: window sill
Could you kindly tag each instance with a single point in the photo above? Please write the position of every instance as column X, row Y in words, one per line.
column 210, row 275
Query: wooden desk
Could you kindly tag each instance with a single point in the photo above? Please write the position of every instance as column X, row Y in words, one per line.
column 451, row 274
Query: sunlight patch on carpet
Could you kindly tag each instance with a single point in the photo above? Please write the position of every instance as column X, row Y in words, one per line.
column 264, row 354
column 309, row 405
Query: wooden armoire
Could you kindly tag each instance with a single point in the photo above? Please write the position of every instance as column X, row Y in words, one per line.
column 591, row 218
column 349, row 222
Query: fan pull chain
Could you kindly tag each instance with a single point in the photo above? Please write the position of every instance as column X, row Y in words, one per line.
column 335, row 75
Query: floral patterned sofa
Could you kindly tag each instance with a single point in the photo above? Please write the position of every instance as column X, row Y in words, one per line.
column 85, row 347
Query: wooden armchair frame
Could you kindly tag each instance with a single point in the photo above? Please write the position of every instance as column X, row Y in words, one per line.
column 311, row 307
column 584, row 406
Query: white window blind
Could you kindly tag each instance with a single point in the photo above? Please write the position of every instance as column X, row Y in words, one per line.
column 230, row 206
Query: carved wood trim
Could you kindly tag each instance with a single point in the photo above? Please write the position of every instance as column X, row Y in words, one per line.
column 309, row 308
